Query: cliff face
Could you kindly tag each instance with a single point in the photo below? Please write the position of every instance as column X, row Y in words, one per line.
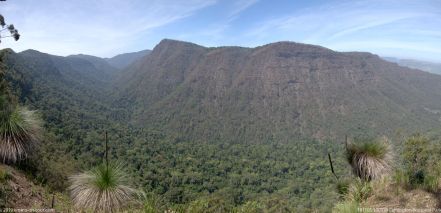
column 277, row 91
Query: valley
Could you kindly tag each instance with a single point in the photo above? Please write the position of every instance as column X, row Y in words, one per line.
column 225, row 126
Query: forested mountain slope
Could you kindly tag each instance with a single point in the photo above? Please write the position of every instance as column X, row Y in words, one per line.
column 121, row 61
column 99, row 63
column 276, row 92
column 77, row 109
column 227, row 125
column 54, row 84
column 71, row 95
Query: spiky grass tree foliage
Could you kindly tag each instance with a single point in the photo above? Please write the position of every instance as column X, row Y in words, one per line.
column 370, row 159
column 19, row 131
column 103, row 189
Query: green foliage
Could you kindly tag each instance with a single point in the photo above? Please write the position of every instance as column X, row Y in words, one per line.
column 7, row 102
column 421, row 164
column 343, row 186
column 20, row 128
column 4, row 175
column 4, row 187
column 5, row 191
column 370, row 148
column 416, row 156
column 431, row 183
column 346, row 207
column 107, row 178
column 401, row 178
column 370, row 159
column 359, row 190
column 208, row 204
column 242, row 166
column 179, row 168
column 185, row 171
column 250, row 207
column 176, row 170
column 103, row 189
column 19, row 132
column 153, row 204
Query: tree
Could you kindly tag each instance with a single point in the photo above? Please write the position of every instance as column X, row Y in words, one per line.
column 103, row 189
column 19, row 132
column 20, row 129
column 9, row 28
column 6, row 98
column 369, row 159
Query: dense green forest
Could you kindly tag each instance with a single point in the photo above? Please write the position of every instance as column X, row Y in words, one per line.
column 176, row 171
column 291, row 175
column 185, row 128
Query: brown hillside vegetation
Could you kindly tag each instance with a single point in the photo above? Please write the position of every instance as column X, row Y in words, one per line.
column 276, row 92
column 19, row 192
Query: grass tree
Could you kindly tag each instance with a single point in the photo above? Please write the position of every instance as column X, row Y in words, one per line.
column 370, row 159
column 19, row 131
column 103, row 189
column 19, row 128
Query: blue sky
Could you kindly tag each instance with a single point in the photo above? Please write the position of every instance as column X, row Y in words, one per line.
column 400, row 28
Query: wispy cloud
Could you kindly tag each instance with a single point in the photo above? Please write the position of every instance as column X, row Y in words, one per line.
column 338, row 23
column 101, row 27
column 108, row 27
column 239, row 6
column 214, row 33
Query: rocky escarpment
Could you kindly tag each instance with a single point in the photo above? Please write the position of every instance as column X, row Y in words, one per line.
column 278, row 91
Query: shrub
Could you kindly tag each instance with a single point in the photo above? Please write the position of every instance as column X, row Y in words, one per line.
column 343, row 187
column 401, row 178
column 153, row 204
column 104, row 189
column 19, row 131
column 370, row 159
column 431, row 183
column 360, row 190
column 416, row 154
column 346, row 207
column 4, row 188
column 250, row 207
column 4, row 175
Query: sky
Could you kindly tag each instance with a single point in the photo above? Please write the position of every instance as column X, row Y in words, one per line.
column 104, row 28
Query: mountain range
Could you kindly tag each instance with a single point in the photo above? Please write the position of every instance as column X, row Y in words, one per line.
column 277, row 92
column 272, row 92
column 239, row 123
column 417, row 64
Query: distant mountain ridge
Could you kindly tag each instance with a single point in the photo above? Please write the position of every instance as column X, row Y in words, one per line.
column 417, row 64
column 99, row 63
column 121, row 61
column 113, row 64
column 276, row 92
column 272, row 92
